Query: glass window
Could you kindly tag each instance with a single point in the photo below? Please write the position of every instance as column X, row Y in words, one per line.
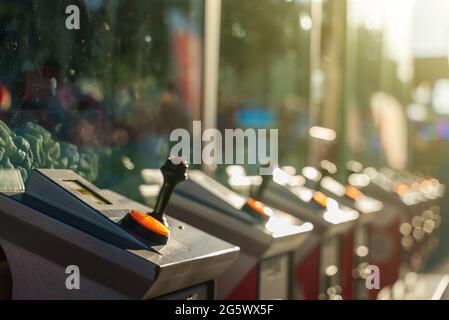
column 101, row 99
column 264, row 71
column 379, row 76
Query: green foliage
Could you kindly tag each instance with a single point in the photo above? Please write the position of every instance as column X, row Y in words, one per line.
column 32, row 146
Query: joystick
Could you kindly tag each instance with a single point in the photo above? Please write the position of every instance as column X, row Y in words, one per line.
column 259, row 192
column 153, row 226
column 174, row 171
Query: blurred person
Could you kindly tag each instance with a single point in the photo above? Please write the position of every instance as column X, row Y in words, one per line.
column 390, row 121
column 60, row 107
column 171, row 114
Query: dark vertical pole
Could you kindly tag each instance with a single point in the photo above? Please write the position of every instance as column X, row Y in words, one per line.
column 342, row 150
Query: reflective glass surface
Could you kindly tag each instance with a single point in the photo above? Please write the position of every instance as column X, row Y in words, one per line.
column 101, row 99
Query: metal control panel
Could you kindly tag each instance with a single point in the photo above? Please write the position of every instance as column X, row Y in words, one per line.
column 267, row 237
column 78, row 224
column 332, row 220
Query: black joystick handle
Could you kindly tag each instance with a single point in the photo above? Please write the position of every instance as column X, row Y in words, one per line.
column 174, row 171
column 258, row 194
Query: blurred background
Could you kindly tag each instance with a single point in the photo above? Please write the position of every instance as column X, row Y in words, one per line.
column 340, row 79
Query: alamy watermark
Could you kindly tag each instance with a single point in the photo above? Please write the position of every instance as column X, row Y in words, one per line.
column 373, row 277
column 73, row 281
column 73, row 20
column 211, row 147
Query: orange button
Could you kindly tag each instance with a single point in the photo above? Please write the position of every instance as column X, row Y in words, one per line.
column 320, row 198
column 353, row 193
column 401, row 189
column 149, row 223
column 258, row 207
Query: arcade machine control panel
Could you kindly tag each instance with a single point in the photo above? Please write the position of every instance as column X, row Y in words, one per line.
column 122, row 251
column 320, row 267
column 267, row 237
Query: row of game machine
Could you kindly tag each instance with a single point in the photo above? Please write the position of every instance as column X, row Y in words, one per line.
column 279, row 236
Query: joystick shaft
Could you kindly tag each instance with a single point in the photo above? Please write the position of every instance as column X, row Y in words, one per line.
column 174, row 171
column 259, row 192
